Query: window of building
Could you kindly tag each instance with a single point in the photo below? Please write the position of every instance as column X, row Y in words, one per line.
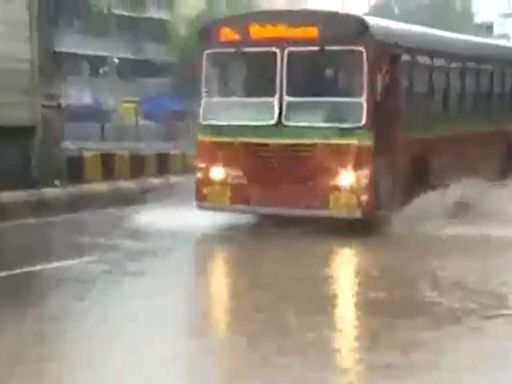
column 133, row 6
column 154, row 30
column 97, row 66
column 159, row 5
column 129, row 27
column 71, row 66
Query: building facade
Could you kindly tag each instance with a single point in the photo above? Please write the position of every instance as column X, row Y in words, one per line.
column 282, row 4
column 502, row 27
column 105, row 56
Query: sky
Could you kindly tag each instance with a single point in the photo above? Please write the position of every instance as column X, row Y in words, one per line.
column 355, row 6
column 484, row 9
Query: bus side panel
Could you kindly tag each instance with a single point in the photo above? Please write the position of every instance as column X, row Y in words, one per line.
column 466, row 137
column 390, row 156
column 444, row 159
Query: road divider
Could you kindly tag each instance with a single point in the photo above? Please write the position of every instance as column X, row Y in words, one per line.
column 87, row 166
column 19, row 205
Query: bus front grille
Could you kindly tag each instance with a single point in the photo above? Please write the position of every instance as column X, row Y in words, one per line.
column 275, row 156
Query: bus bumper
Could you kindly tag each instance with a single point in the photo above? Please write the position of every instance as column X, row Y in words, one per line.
column 283, row 212
column 297, row 180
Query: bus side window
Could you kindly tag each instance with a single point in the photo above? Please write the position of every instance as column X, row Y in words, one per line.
column 461, row 107
column 485, row 92
column 503, row 92
column 497, row 97
column 470, row 81
column 440, row 85
column 406, row 89
column 455, row 90
column 476, row 99
column 508, row 90
column 421, row 97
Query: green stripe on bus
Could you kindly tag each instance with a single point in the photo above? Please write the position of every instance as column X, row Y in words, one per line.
column 462, row 128
column 286, row 134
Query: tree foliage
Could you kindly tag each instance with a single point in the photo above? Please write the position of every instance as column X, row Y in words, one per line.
column 454, row 15
column 185, row 39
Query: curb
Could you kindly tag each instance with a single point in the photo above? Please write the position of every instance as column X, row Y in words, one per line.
column 49, row 202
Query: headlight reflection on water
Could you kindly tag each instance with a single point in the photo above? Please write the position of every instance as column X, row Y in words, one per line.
column 219, row 288
column 343, row 271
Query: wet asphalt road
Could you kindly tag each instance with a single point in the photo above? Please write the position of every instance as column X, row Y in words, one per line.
column 166, row 294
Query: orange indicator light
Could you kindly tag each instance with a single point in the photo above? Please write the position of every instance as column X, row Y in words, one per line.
column 228, row 35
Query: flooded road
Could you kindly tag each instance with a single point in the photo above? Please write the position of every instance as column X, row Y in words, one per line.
column 166, row 294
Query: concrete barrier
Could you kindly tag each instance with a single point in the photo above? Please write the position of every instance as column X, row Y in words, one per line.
column 98, row 176
column 19, row 205
column 87, row 166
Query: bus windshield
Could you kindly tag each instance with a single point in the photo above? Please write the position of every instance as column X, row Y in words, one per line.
column 325, row 87
column 240, row 87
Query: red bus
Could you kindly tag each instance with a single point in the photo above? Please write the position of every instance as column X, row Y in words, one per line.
column 323, row 114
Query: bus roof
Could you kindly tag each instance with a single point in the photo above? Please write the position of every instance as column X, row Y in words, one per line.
column 335, row 27
column 433, row 40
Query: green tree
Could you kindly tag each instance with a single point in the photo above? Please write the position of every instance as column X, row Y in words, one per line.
column 185, row 43
column 454, row 15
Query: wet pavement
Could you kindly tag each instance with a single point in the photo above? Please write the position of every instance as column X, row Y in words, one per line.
column 166, row 294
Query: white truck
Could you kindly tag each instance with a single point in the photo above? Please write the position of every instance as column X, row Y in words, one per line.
column 28, row 132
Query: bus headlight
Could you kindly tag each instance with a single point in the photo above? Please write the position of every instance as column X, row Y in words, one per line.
column 217, row 173
column 346, row 178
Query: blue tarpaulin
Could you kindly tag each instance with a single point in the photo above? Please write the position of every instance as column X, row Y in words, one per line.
column 156, row 108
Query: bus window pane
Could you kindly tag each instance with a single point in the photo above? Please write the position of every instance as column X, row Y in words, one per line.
column 406, row 85
column 508, row 91
column 455, row 90
column 440, row 82
column 421, row 75
column 237, row 112
column 471, row 89
column 325, row 74
column 485, row 92
column 421, row 99
column 241, row 74
column 325, row 112
column 240, row 87
column 325, row 87
column 499, row 92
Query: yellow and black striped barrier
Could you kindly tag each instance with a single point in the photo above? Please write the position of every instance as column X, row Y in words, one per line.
column 96, row 166
column 25, row 204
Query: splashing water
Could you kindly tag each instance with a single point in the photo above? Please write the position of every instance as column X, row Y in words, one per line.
column 186, row 219
column 467, row 208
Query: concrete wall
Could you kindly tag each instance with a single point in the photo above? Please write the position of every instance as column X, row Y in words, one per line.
column 16, row 65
